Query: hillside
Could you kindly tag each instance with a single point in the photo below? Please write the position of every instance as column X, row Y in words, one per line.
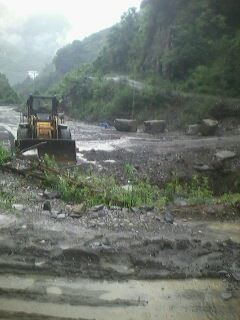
column 7, row 95
column 80, row 52
column 194, row 44
column 186, row 53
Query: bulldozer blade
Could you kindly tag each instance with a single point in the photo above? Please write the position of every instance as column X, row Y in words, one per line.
column 63, row 151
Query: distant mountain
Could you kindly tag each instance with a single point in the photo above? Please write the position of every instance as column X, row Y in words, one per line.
column 30, row 43
column 80, row 52
column 68, row 58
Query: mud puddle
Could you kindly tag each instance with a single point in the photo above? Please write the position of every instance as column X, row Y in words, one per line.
column 102, row 300
column 226, row 229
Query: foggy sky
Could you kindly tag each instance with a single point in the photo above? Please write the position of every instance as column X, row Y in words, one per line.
column 83, row 17
column 31, row 31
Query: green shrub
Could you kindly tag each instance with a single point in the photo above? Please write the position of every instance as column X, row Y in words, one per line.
column 195, row 191
column 4, row 155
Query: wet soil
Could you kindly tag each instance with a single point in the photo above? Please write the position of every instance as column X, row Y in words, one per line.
column 115, row 244
column 36, row 297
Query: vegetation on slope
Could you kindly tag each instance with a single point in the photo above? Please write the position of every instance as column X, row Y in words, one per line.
column 80, row 52
column 7, row 95
column 187, row 53
column 194, row 44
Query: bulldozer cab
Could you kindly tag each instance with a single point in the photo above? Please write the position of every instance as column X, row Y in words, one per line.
column 43, row 108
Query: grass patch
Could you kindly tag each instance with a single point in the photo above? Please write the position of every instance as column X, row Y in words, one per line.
column 4, row 155
column 196, row 191
column 230, row 198
column 6, row 200
column 76, row 187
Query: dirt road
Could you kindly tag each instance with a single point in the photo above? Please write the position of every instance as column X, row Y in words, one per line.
column 47, row 258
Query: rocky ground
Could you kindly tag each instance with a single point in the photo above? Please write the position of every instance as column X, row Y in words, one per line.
column 40, row 234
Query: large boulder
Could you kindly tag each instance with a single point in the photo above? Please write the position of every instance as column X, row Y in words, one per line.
column 225, row 155
column 125, row 125
column 155, row 126
column 193, row 130
column 209, row 127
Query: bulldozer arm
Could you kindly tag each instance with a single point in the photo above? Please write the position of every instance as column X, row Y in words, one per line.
column 63, row 151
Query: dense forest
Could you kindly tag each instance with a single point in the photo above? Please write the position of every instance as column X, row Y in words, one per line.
column 194, row 44
column 186, row 52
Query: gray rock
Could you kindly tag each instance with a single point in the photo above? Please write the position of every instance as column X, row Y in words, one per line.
column 155, row 126
column 101, row 224
column 203, row 168
column 236, row 276
column 61, row 216
column 55, row 214
column 226, row 294
column 180, row 202
column 125, row 125
column 18, row 207
column 147, row 208
column 50, row 195
column 47, row 206
column 79, row 209
column 98, row 208
column 225, row 155
column 125, row 211
column 46, row 213
column 115, row 208
column 168, row 218
column 209, row 127
column 94, row 215
column 103, row 213
column 75, row 216
column 193, row 130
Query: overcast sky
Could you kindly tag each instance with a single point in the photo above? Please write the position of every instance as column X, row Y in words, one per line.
column 84, row 16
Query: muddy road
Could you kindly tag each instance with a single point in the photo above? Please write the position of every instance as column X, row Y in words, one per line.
column 113, row 262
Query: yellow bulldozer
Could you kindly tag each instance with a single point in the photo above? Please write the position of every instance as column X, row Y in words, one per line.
column 43, row 128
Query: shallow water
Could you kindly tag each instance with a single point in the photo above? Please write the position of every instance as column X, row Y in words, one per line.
column 230, row 229
column 186, row 299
